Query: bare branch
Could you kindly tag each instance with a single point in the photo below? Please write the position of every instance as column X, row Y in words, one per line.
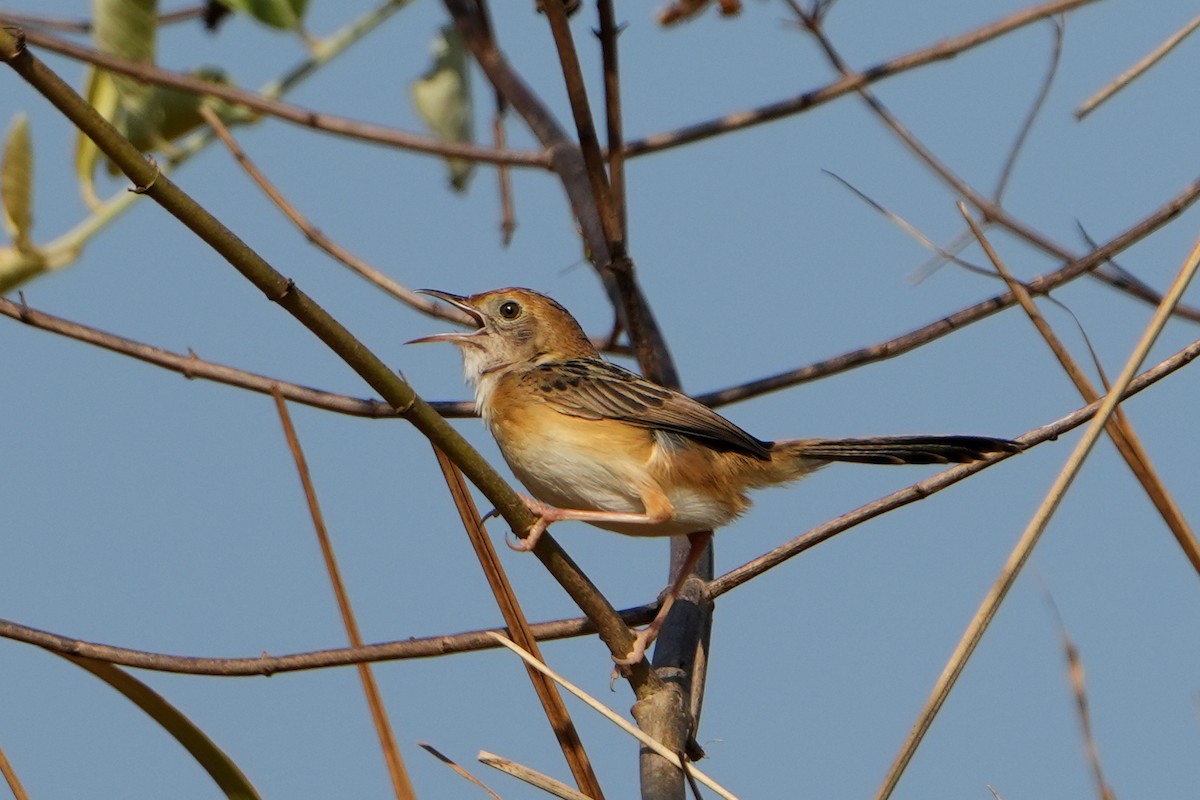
column 736, row 577
column 928, row 333
column 1136, row 71
column 948, row 48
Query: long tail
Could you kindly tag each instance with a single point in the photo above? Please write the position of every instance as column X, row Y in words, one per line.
column 897, row 449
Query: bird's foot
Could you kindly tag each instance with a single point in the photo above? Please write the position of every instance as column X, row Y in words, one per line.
column 641, row 642
column 545, row 515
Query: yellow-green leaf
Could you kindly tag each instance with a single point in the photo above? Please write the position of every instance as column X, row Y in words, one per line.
column 442, row 96
column 16, row 182
column 218, row 765
column 126, row 28
column 283, row 14
column 19, row 266
column 103, row 96
column 168, row 114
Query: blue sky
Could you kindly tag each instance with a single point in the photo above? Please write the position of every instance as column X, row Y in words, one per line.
column 152, row 512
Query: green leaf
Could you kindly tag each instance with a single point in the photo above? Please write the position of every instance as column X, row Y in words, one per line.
column 168, row 114
column 16, row 182
column 20, row 265
column 127, row 28
column 218, row 765
column 102, row 94
column 442, row 96
column 283, row 14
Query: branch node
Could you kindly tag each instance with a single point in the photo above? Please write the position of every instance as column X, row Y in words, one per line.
column 187, row 370
column 18, row 47
column 288, row 285
column 142, row 189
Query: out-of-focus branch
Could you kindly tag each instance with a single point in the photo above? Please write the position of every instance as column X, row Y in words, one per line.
column 85, row 25
column 328, row 123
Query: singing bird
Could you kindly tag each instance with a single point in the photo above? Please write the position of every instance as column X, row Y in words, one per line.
column 592, row 441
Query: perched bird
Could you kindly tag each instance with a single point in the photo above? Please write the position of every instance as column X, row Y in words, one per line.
column 595, row 442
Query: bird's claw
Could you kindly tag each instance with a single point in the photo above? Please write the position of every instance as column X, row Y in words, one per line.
column 641, row 641
column 544, row 515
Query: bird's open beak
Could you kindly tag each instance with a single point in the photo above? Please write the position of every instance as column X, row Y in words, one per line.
column 454, row 337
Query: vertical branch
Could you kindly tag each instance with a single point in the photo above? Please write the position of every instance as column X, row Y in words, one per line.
column 10, row 777
column 589, row 142
column 567, row 162
column 609, row 31
column 383, row 729
column 518, row 627
column 663, row 712
column 508, row 222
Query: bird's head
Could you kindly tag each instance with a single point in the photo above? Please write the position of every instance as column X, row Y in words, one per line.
column 515, row 326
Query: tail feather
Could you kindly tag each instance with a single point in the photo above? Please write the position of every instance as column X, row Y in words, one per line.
column 899, row 449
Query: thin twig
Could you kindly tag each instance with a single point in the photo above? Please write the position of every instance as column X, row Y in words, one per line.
column 508, row 222
column 461, row 771
column 85, row 25
column 423, row 303
column 1037, row 525
column 1119, row 430
column 1075, row 675
column 10, row 777
column 614, row 718
column 192, row 366
column 1133, row 73
column 1038, row 103
column 736, row 577
column 401, row 785
column 534, row 778
column 945, row 49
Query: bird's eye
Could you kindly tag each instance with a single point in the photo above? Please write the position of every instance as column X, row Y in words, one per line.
column 510, row 309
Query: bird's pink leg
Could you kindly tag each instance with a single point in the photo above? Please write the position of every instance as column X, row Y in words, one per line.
column 546, row 514
column 646, row 636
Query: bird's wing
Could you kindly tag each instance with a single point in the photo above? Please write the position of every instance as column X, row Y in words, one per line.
column 594, row 389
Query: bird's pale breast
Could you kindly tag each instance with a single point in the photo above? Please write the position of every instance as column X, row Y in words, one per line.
column 600, row 465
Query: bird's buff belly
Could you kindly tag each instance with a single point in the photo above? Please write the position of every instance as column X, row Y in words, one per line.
column 567, row 478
